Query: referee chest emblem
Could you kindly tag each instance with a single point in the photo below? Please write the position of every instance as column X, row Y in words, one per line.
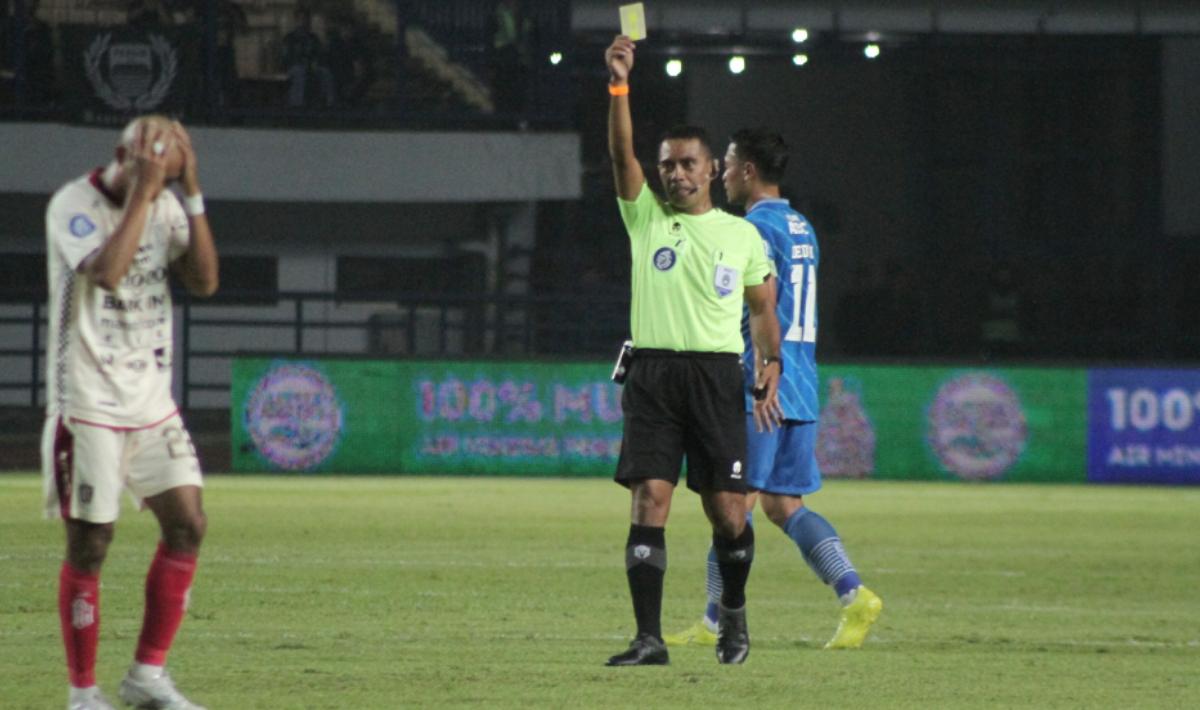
column 724, row 279
column 664, row 259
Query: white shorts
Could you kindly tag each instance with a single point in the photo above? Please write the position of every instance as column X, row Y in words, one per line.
column 85, row 466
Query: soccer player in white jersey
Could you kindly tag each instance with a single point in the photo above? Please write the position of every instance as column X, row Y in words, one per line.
column 782, row 431
column 111, row 421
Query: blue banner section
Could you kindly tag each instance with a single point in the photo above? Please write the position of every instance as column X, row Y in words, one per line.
column 1144, row 426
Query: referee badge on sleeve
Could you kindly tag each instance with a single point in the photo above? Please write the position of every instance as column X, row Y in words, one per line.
column 724, row 279
column 81, row 226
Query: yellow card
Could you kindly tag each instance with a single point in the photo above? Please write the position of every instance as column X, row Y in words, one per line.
column 633, row 21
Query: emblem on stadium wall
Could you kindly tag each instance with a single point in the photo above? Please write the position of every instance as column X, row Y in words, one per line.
column 131, row 76
column 977, row 428
column 294, row 417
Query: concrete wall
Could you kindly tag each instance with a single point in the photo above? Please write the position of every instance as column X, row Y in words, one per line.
column 364, row 166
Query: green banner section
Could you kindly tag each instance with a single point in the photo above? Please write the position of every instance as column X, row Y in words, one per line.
column 1014, row 424
column 375, row 416
column 555, row 419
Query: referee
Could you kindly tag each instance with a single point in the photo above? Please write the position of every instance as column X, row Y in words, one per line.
column 692, row 264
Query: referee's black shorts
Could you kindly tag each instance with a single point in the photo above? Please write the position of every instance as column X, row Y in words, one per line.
column 680, row 404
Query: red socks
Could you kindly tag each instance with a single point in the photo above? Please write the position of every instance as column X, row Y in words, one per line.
column 167, row 586
column 79, row 615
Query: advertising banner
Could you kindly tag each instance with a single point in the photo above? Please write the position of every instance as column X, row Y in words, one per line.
column 376, row 416
column 1012, row 424
column 1145, row 426
column 523, row 418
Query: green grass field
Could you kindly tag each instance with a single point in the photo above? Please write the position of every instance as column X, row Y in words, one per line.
column 415, row 592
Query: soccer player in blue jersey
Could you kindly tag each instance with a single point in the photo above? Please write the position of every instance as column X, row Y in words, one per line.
column 782, row 430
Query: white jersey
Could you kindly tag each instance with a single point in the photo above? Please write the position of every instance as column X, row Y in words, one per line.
column 109, row 354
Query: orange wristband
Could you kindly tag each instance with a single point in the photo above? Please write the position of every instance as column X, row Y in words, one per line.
column 618, row 90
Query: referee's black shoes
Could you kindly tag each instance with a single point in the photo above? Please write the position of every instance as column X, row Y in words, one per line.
column 733, row 639
column 645, row 650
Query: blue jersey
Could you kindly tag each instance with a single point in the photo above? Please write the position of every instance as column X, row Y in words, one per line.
column 791, row 246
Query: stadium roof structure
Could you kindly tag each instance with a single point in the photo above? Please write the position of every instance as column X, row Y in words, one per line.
column 857, row 17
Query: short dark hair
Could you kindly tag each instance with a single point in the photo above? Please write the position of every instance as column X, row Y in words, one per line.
column 685, row 131
column 766, row 149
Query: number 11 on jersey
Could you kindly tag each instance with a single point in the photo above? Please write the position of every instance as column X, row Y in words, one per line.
column 803, row 328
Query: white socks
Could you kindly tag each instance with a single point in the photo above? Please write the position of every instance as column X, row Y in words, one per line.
column 144, row 671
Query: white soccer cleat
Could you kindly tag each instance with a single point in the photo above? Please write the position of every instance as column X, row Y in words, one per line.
column 154, row 694
column 92, row 699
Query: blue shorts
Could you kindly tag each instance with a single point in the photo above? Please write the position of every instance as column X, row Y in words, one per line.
column 783, row 461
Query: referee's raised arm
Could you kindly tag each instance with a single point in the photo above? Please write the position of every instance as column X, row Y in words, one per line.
column 626, row 170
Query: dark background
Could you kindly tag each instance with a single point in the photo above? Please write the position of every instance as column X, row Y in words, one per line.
column 954, row 181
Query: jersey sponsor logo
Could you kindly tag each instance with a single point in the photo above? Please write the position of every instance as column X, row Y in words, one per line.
column 664, row 259
column 294, row 416
column 977, row 428
column 796, row 225
column 81, row 226
column 136, row 304
column 145, row 254
column 142, row 279
column 724, row 279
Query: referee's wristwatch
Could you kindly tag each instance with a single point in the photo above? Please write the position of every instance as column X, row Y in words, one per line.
column 773, row 358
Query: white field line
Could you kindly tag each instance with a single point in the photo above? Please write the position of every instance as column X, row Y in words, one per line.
column 888, row 640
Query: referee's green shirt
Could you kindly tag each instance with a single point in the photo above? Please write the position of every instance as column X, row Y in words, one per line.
column 688, row 275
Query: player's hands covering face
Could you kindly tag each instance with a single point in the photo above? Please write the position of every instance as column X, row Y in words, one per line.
column 148, row 162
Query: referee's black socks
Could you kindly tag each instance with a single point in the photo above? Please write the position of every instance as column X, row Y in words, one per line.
column 734, row 557
column 645, row 566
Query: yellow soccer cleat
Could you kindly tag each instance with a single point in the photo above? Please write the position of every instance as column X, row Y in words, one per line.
column 857, row 618
column 695, row 635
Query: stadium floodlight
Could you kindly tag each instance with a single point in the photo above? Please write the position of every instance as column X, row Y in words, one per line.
column 871, row 51
column 737, row 64
column 674, row 67
column 799, row 59
column 799, row 35
column 556, row 58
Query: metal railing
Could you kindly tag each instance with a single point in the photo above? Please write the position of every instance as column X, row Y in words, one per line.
column 583, row 324
column 320, row 324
